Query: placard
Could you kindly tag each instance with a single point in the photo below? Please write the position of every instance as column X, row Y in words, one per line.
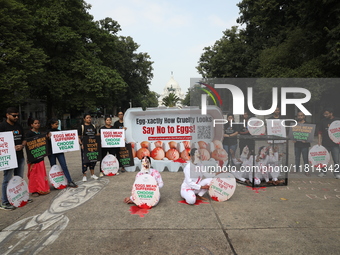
column 145, row 191
column 125, row 156
column 318, row 156
column 57, row 177
column 17, row 191
column 275, row 127
column 110, row 165
column 36, row 148
column 112, row 138
column 302, row 133
column 334, row 131
column 8, row 156
column 64, row 141
column 92, row 149
column 222, row 187
column 256, row 126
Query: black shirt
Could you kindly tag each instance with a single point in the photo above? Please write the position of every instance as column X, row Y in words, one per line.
column 86, row 130
column 323, row 129
column 228, row 130
column 18, row 133
column 118, row 125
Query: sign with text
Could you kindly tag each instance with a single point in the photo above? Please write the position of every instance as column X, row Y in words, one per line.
column 334, row 131
column 17, row 192
column 256, row 126
column 125, row 156
column 275, row 127
column 318, row 156
column 112, row 138
column 92, row 149
column 145, row 191
column 110, row 165
column 302, row 133
column 36, row 148
column 57, row 177
column 222, row 187
column 8, row 156
column 64, row 141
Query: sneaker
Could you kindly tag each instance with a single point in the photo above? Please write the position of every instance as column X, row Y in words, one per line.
column 101, row 174
column 94, row 177
column 122, row 170
column 84, row 179
column 72, row 185
column 337, row 176
column 7, row 206
column 30, row 200
column 321, row 174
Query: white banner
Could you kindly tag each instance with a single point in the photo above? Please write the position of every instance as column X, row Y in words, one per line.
column 112, row 138
column 8, row 156
column 64, row 141
column 276, row 127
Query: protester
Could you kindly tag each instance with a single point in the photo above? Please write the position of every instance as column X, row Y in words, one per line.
column 230, row 136
column 87, row 129
column 193, row 184
column 146, row 169
column 52, row 127
column 250, row 143
column 119, row 124
column 301, row 147
column 36, row 173
column 105, row 151
column 11, row 124
column 326, row 141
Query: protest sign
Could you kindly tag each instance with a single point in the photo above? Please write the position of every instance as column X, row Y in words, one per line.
column 256, row 126
column 36, row 148
column 145, row 191
column 334, row 131
column 125, row 156
column 302, row 133
column 8, row 156
column 64, row 141
column 92, row 149
column 275, row 127
column 17, row 192
column 318, row 156
column 57, row 177
column 112, row 138
column 222, row 187
column 110, row 165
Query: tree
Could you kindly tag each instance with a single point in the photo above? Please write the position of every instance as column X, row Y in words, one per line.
column 171, row 100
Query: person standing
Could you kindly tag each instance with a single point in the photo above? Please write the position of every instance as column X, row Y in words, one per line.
column 245, row 132
column 87, row 129
column 325, row 140
column 52, row 127
column 11, row 124
column 230, row 137
column 119, row 124
column 301, row 147
column 105, row 151
column 36, row 173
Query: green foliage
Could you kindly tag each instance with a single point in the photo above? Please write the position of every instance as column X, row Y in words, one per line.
column 171, row 100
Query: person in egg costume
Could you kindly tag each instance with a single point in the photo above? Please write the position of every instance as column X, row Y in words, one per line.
column 146, row 169
column 194, row 186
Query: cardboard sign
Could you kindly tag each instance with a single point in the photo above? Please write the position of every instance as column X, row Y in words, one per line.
column 92, row 149
column 145, row 191
column 302, row 132
column 64, row 141
column 125, row 156
column 57, row 177
column 110, row 165
column 334, row 131
column 275, row 127
column 222, row 187
column 17, row 192
column 112, row 138
column 256, row 126
column 318, row 156
column 36, row 148
column 8, row 156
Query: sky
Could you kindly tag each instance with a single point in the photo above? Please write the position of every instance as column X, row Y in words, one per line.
column 173, row 33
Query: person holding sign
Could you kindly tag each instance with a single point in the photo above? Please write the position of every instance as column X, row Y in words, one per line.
column 53, row 126
column 146, row 169
column 36, row 174
column 119, row 124
column 11, row 124
column 193, row 184
column 326, row 142
column 230, row 136
column 87, row 129
column 301, row 147
column 105, row 151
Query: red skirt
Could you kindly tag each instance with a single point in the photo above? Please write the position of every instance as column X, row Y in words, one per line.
column 37, row 178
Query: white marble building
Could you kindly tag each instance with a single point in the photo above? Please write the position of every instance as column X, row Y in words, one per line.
column 172, row 86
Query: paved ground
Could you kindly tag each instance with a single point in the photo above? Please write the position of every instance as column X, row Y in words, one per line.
column 301, row 218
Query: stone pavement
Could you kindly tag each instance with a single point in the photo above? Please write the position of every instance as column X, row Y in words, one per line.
column 301, row 218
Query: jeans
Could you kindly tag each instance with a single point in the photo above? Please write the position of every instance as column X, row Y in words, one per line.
column 8, row 174
column 298, row 152
column 61, row 158
column 227, row 148
column 335, row 151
